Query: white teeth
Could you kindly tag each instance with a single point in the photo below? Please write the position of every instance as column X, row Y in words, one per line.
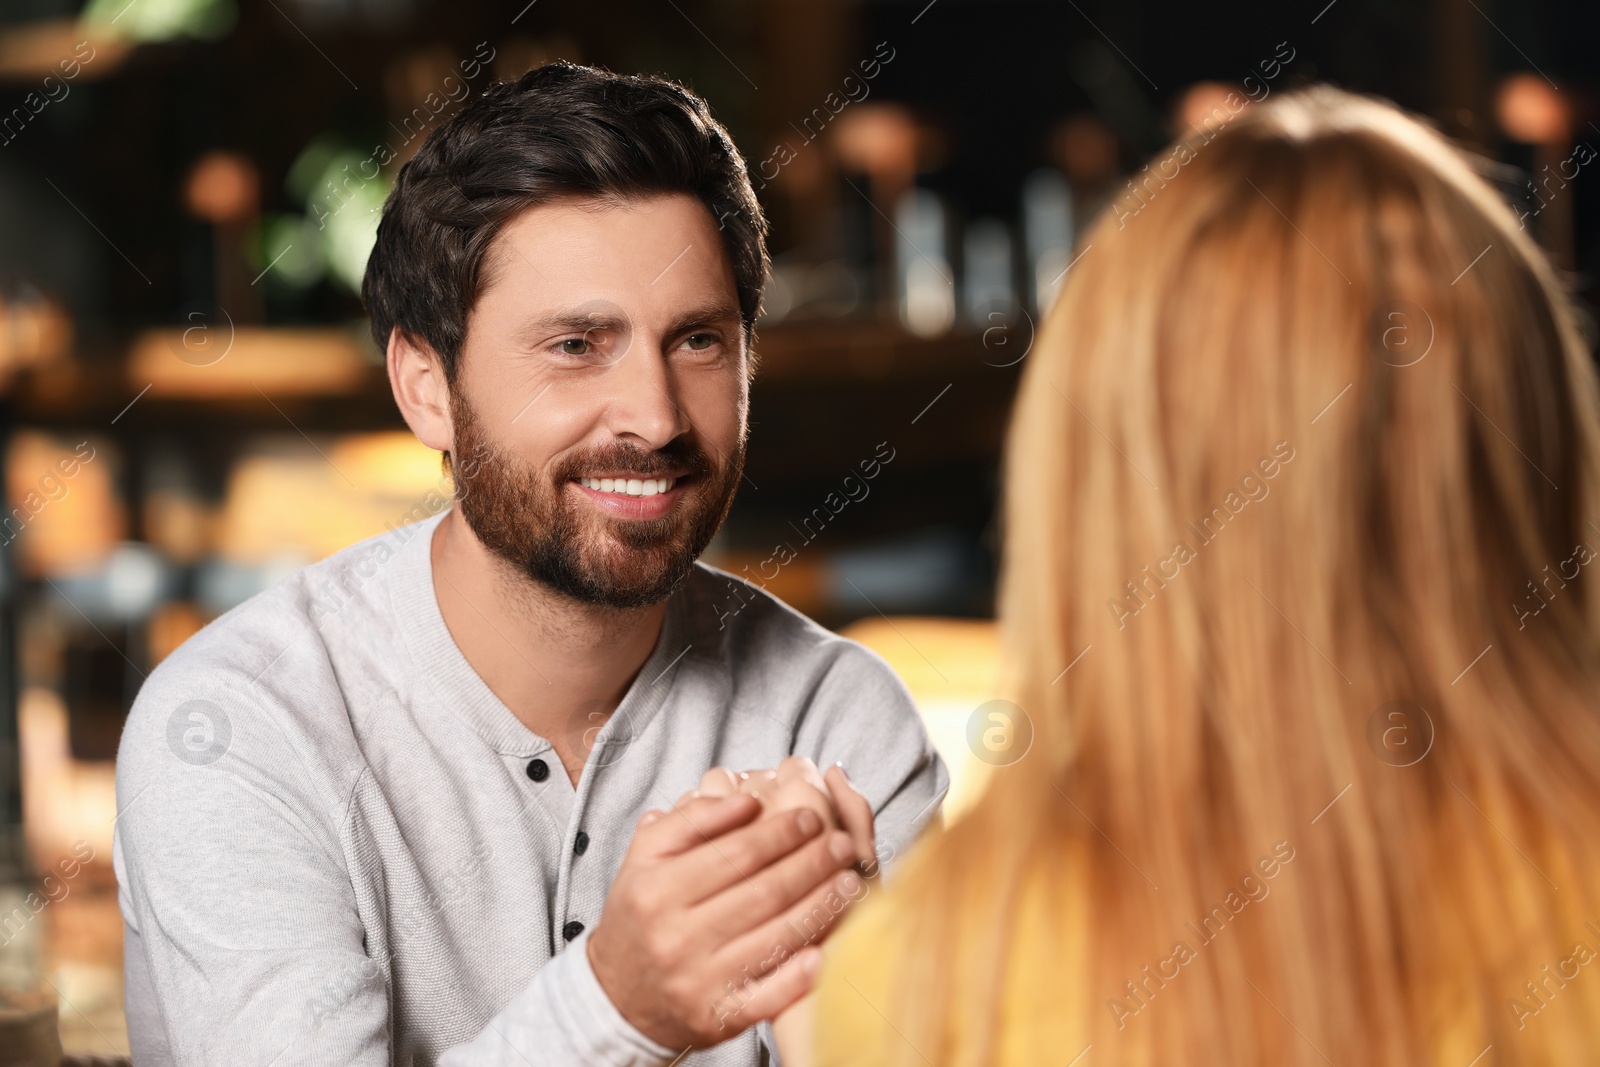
column 629, row 486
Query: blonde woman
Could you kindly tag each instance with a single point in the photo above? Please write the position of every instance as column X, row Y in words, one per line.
column 1303, row 484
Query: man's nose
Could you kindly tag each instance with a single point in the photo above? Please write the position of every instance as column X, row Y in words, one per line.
column 644, row 403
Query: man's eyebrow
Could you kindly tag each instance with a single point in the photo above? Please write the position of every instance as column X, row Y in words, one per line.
column 580, row 319
column 707, row 315
column 570, row 320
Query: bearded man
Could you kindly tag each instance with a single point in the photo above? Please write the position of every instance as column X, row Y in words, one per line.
column 451, row 819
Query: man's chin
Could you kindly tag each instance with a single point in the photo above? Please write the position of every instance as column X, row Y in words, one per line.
column 588, row 555
column 622, row 578
column 610, row 593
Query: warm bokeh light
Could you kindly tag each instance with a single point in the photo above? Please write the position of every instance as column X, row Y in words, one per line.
column 288, row 498
column 1086, row 149
column 218, row 359
column 968, row 674
column 34, row 329
column 62, row 503
column 1531, row 110
column 67, row 799
column 223, row 187
column 878, row 139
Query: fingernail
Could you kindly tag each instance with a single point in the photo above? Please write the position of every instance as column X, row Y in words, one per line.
column 839, row 846
column 810, row 962
column 809, row 822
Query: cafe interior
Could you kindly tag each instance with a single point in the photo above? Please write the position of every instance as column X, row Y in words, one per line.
column 191, row 407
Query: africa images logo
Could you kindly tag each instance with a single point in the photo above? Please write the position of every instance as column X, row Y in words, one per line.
column 198, row 732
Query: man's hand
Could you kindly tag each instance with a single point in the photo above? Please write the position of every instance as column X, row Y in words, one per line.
column 709, row 900
column 796, row 784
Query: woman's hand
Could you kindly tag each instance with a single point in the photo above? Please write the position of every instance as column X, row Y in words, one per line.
column 797, row 783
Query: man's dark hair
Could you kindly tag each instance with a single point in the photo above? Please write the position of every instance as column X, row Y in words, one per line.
column 559, row 130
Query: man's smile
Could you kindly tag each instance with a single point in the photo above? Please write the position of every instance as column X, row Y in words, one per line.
column 632, row 497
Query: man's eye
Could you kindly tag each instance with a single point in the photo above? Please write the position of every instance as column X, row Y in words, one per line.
column 575, row 346
column 699, row 342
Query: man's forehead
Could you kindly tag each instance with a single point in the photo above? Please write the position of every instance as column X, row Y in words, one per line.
column 659, row 250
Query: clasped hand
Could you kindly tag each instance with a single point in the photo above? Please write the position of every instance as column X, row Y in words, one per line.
column 714, row 920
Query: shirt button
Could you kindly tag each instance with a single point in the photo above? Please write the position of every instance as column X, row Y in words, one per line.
column 538, row 770
column 580, row 844
column 572, row 929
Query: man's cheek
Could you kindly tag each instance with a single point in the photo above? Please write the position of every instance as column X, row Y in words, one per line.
column 552, row 428
column 717, row 410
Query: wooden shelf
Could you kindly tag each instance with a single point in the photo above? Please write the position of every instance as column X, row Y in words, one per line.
column 829, row 385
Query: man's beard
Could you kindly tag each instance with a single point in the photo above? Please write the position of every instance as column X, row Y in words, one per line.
column 573, row 548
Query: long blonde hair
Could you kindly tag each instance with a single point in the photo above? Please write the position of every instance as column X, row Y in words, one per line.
column 1302, row 484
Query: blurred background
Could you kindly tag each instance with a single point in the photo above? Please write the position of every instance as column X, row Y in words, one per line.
column 191, row 408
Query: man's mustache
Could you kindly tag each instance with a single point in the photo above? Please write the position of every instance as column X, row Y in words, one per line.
column 680, row 457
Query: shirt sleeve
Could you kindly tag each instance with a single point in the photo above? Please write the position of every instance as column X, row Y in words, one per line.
column 563, row 1017
column 237, row 897
column 233, row 883
column 862, row 715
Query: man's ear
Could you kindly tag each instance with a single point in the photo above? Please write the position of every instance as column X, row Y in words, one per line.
column 416, row 375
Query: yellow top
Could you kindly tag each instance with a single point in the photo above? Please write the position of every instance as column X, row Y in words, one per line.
column 1043, row 1010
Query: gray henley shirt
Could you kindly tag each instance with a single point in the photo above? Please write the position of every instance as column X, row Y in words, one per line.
column 337, row 846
